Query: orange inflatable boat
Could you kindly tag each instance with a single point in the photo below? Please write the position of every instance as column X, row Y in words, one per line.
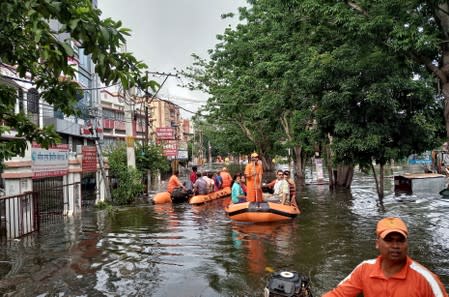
column 262, row 212
column 200, row 199
column 161, row 198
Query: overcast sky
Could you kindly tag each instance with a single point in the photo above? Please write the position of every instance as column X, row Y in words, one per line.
column 165, row 33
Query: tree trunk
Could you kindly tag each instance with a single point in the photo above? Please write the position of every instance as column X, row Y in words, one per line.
column 299, row 165
column 344, row 176
column 379, row 181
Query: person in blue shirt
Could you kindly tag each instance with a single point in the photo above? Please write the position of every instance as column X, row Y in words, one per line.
column 237, row 194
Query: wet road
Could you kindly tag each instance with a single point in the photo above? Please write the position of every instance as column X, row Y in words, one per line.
column 183, row 250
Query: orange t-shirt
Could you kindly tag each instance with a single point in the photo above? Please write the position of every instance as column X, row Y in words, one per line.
column 414, row 280
column 227, row 179
column 173, row 183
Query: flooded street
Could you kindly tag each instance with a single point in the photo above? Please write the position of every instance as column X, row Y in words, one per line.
column 184, row 250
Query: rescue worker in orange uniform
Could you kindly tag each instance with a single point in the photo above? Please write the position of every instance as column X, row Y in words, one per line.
column 253, row 174
column 226, row 177
column 393, row 273
column 174, row 183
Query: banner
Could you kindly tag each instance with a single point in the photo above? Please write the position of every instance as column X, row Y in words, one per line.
column 50, row 162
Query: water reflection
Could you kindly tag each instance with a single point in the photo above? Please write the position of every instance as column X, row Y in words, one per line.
column 184, row 250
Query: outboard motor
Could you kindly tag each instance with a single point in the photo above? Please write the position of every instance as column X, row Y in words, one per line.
column 288, row 284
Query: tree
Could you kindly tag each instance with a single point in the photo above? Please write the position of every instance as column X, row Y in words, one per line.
column 126, row 181
column 315, row 74
column 28, row 43
column 150, row 157
column 417, row 30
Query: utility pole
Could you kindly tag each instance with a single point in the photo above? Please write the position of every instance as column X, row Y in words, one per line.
column 107, row 193
column 130, row 152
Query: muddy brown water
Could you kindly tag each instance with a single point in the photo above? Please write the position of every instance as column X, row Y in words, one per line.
column 184, row 250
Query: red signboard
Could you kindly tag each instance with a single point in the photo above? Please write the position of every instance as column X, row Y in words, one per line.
column 89, row 159
column 165, row 133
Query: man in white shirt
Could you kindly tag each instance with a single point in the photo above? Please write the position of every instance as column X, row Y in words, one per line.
column 281, row 188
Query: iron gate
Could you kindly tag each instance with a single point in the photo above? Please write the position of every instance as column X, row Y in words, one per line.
column 88, row 189
column 50, row 193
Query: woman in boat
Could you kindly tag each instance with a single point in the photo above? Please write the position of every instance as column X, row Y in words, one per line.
column 253, row 174
column 237, row 195
column 243, row 184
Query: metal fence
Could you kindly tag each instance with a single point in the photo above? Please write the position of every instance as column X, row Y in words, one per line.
column 19, row 215
column 51, row 194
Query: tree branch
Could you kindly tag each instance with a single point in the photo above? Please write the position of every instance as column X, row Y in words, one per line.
column 429, row 65
column 357, row 7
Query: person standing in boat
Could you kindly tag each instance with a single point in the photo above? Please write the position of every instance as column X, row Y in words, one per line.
column 253, row 174
column 393, row 273
column 237, row 194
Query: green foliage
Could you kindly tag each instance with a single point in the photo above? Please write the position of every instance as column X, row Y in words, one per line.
column 150, row 157
column 41, row 51
column 305, row 73
column 126, row 181
column 110, row 209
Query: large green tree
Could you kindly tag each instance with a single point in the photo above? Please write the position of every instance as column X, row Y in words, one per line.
column 39, row 53
column 417, row 30
column 316, row 71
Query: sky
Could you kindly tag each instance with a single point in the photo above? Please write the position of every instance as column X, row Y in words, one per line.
column 165, row 33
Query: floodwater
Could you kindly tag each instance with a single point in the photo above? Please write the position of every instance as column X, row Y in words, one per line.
column 184, row 250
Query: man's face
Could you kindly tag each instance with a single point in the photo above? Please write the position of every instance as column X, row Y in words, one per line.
column 279, row 175
column 393, row 247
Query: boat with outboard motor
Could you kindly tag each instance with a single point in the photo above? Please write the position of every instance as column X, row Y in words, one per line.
column 200, row 199
column 262, row 212
column 288, row 283
column 178, row 196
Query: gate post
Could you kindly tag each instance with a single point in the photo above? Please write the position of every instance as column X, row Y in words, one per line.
column 73, row 182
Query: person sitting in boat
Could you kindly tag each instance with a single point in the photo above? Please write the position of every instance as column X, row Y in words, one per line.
column 237, row 195
column 210, row 181
column 175, row 183
column 280, row 186
column 291, row 184
column 218, row 181
column 226, row 177
column 201, row 186
column 193, row 175
column 243, row 183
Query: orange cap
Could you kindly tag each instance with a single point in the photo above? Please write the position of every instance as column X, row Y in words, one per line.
column 388, row 225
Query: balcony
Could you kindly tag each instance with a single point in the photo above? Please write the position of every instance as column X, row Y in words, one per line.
column 63, row 126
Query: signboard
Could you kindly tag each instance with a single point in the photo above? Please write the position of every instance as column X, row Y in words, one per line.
column 183, row 155
column 89, row 159
column 170, row 148
column 165, row 133
column 49, row 162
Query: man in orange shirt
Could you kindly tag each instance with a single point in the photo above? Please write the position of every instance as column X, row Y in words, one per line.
column 253, row 174
column 226, row 177
column 174, row 182
column 393, row 273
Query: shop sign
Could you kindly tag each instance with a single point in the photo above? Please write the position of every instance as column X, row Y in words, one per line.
column 89, row 163
column 49, row 162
